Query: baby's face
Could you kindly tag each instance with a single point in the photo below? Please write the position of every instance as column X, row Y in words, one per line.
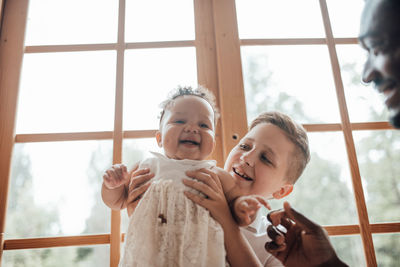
column 258, row 163
column 187, row 129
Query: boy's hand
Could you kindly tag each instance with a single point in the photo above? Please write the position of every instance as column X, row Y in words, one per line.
column 140, row 180
column 116, row 176
column 245, row 208
column 208, row 182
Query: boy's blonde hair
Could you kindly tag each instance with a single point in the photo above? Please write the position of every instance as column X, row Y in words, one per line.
column 296, row 134
column 200, row 91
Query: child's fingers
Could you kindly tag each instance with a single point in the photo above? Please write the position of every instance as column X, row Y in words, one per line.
column 197, row 199
column 118, row 170
column 263, row 202
column 111, row 173
column 123, row 168
column 201, row 187
column 134, row 168
column 214, row 176
column 140, row 178
column 251, row 201
column 136, row 193
column 206, row 177
column 140, row 172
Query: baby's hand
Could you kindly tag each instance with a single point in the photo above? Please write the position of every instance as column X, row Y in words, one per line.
column 116, row 176
column 245, row 208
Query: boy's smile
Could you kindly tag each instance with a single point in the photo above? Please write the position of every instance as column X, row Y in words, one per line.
column 187, row 129
column 242, row 174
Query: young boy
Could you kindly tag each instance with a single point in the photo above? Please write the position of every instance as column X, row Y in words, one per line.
column 267, row 161
column 167, row 229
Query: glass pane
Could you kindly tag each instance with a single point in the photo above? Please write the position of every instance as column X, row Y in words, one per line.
column 279, row 19
column 296, row 80
column 57, row 186
column 149, row 75
column 89, row 256
column 67, row 92
column 363, row 102
column 378, row 156
column 345, row 17
column 349, row 249
column 326, row 181
column 133, row 151
column 54, row 22
column 159, row 20
column 387, row 249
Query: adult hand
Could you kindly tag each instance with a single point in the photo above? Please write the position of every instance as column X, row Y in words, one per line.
column 208, row 183
column 304, row 244
column 116, row 176
column 139, row 183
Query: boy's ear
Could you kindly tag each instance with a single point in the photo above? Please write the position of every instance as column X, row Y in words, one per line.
column 285, row 190
column 158, row 138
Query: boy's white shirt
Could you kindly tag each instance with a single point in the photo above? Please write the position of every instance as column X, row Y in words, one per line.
column 256, row 234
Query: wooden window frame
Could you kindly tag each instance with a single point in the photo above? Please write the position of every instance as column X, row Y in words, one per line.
column 219, row 68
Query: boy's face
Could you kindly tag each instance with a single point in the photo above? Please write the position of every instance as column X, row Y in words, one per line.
column 187, row 129
column 259, row 162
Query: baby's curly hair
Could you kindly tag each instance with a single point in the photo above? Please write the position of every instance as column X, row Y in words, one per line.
column 200, row 91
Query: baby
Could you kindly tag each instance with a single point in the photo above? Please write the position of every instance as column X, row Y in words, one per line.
column 167, row 229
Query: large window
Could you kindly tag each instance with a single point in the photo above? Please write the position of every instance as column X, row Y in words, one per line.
column 93, row 73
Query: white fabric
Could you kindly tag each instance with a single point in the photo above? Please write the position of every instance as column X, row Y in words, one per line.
column 256, row 234
column 167, row 229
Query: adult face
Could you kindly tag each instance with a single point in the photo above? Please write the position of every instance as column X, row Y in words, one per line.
column 380, row 36
column 187, row 129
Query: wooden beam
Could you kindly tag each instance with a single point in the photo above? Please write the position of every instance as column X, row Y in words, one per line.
column 115, row 239
column 296, row 41
column 164, row 44
column 68, row 48
column 206, row 59
column 377, row 228
column 11, row 54
column 51, row 242
column 230, row 77
column 366, row 236
column 358, row 126
column 56, row 137
column 85, row 240
column 81, row 136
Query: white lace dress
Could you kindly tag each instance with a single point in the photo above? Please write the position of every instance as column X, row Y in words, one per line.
column 168, row 229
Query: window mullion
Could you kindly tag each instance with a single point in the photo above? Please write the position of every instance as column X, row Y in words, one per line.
column 230, row 77
column 115, row 237
column 206, row 59
column 350, row 147
column 11, row 54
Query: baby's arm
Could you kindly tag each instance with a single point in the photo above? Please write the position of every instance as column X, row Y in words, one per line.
column 114, row 190
column 244, row 209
